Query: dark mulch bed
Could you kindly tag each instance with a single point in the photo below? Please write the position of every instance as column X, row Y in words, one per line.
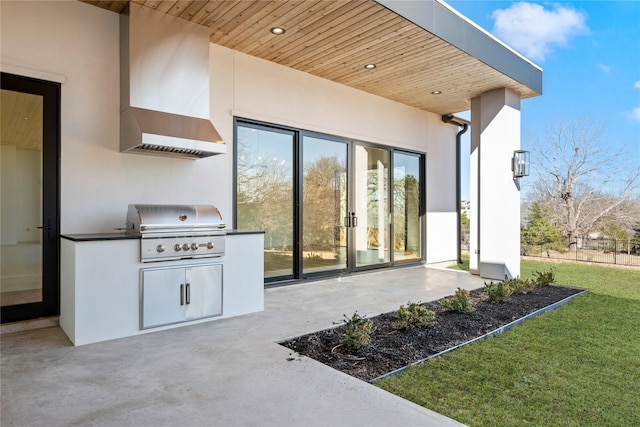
column 392, row 348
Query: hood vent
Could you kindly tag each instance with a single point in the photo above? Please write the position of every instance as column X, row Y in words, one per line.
column 164, row 94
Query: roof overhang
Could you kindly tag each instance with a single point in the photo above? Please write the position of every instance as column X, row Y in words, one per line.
column 426, row 54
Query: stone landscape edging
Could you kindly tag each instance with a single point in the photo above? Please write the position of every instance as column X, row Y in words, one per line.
column 490, row 334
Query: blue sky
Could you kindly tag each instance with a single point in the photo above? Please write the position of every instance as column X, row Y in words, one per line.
column 590, row 54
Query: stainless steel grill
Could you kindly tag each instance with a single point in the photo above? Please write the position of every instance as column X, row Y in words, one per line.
column 173, row 232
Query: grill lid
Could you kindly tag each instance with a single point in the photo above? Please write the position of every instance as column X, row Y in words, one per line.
column 146, row 219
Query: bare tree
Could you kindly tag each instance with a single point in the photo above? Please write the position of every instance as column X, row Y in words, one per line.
column 576, row 168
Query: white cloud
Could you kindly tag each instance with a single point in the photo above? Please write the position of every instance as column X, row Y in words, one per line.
column 635, row 114
column 604, row 68
column 534, row 30
column 637, row 84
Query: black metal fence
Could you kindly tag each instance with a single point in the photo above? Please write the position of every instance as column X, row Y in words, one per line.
column 606, row 251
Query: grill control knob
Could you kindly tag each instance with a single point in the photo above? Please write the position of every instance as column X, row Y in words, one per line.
column 194, row 246
column 210, row 245
column 160, row 248
column 177, row 247
column 185, row 247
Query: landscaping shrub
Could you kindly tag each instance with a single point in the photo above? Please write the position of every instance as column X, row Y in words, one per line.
column 498, row 292
column 358, row 332
column 414, row 315
column 460, row 302
column 544, row 278
column 521, row 286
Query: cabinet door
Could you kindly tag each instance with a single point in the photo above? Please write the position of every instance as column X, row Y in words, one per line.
column 163, row 297
column 205, row 291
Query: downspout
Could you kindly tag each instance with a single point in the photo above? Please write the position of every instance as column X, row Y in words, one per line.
column 457, row 121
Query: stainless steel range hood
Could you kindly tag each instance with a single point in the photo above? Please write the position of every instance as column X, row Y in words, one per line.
column 164, row 86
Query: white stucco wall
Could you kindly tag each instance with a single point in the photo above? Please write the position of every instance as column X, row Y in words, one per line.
column 78, row 44
column 495, row 223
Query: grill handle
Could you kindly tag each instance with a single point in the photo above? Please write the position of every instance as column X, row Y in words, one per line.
column 181, row 294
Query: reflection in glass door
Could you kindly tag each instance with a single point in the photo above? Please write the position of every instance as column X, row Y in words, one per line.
column 324, row 204
column 29, row 173
column 370, row 219
column 265, row 193
column 407, row 230
column 21, row 264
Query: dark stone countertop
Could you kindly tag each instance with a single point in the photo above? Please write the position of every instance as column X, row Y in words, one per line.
column 94, row 237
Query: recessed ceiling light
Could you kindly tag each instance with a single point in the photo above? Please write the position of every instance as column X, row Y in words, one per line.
column 436, row 92
column 370, row 66
column 277, row 31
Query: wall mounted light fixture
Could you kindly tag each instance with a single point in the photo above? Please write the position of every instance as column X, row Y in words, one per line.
column 520, row 163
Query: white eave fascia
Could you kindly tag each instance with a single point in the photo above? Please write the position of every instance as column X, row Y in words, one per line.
column 440, row 19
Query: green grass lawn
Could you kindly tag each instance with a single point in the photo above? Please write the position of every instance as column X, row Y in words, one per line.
column 576, row 366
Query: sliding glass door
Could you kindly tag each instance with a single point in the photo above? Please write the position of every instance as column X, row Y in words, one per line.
column 324, row 204
column 407, row 207
column 265, row 189
column 327, row 204
column 371, row 219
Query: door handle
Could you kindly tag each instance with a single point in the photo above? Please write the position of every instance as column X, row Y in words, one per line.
column 181, row 294
column 354, row 219
column 50, row 229
column 188, row 293
column 347, row 221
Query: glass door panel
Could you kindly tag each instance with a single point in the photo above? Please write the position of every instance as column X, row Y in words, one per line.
column 406, row 207
column 21, row 200
column 265, row 193
column 324, row 204
column 370, row 219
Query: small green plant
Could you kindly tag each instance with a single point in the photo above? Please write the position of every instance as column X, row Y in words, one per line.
column 521, row 286
column 460, row 302
column 498, row 292
column 414, row 315
column 544, row 278
column 358, row 333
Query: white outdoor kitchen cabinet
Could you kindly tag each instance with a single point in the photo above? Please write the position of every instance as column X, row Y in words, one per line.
column 178, row 294
column 102, row 280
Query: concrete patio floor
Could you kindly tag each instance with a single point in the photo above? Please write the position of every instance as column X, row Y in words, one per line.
column 229, row 372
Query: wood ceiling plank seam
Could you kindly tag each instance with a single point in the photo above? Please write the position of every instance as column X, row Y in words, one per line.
column 366, row 24
column 165, row 6
column 179, row 7
column 300, row 20
column 400, row 66
column 250, row 29
column 247, row 14
column 209, row 8
column 189, row 12
column 351, row 40
column 283, row 43
column 151, row 4
column 427, row 80
column 311, row 47
column 238, row 28
column 225, row 9
column 306, row 39
column 372, row 52
column 386, row 50
column 289, row 15
column 216, row 27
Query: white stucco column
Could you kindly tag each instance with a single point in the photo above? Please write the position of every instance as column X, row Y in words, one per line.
column 494, row 245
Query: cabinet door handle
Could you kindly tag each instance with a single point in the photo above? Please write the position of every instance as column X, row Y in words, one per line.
column 188, row 293
column 181, row 294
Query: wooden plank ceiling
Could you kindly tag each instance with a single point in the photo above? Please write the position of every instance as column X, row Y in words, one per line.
column 21, row 120
column 336, row 39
